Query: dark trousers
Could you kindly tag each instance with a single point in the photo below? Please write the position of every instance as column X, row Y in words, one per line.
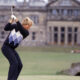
column 14, row 60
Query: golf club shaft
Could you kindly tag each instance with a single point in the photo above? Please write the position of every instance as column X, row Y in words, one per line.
column 11, row 10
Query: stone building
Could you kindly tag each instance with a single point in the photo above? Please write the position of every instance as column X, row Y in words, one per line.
column 36, row 3
column 7, row 2
column 55, row 23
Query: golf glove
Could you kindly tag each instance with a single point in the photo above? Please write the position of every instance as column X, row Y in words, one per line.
column 13, row 17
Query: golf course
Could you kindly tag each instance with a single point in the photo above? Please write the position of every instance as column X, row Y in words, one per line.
column 43, row 63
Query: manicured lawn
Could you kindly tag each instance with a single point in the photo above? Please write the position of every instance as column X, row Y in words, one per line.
column 44, row 77
column 42, row 61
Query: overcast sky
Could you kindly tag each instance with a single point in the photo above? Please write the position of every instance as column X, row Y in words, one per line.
column 27, row 0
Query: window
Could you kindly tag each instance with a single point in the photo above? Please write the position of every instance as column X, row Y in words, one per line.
column 75, row 29
column 66, row 3
column 54, row 12
column 75, row 38
column 62, row 37
column 33, row 35
column 55, row 37
column 75, row 12
column 62, row 29
column 65, row 12
column 55, row 29
column 70, row 12
column 75, row 34
column 55, row 34
column 69, row 38
column 35, row 19
column 50, row 34
column 69, row 29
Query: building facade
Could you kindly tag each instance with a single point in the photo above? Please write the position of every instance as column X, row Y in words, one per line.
column 37, row 3
column 56, row 23
column 7, row 2
column 63, row 22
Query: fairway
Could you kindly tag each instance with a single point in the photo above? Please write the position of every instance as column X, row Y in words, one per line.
column 42, row 63
column 44, row 77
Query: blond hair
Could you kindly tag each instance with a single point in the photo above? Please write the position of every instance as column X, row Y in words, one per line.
column 27, row 21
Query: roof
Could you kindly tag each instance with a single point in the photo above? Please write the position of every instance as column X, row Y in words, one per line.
column 64, row 2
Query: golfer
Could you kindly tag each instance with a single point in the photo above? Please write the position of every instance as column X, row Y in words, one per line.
column 18, row 32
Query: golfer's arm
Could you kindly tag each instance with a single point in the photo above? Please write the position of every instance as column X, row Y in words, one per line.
column 8, row 27
column 20, row 26
column 22, row 30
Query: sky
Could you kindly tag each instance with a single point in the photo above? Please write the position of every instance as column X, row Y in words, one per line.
column 22, row 0
column 27, row 0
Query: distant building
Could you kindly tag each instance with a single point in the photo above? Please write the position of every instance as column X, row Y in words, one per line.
column 51, row 0
column 7, row 2
column 36, row 3
column 56, row 23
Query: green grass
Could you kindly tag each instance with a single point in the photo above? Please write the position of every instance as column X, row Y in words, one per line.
column 42, row 61
column 44, row 77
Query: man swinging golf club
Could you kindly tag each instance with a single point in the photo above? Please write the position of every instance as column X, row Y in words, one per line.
column 18, row 32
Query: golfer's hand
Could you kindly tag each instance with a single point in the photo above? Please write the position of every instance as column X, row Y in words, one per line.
column 11, row 21
column 13, row 17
